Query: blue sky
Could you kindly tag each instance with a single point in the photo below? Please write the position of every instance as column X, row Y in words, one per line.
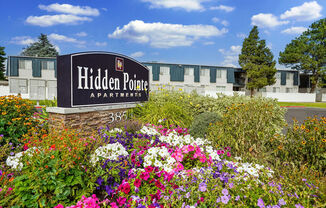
column 208, row 32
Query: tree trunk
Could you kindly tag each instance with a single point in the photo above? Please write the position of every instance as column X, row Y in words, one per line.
column 313, row 88
column 251, row 92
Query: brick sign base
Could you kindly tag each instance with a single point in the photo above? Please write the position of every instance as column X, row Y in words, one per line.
column 86, row 119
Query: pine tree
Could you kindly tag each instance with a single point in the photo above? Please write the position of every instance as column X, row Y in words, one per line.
column 41, row 48
column 2, row 63
column 257, row 60
column 307, row 53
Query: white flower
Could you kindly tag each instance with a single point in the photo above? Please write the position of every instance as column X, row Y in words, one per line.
column 149, row 131
column 109, row 151
column 116, row 130
column 15, row 161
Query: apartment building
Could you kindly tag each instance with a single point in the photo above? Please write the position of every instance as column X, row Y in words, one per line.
column 36, row 78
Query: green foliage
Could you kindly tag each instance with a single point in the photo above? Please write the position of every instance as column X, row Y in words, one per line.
column 257, row 60
column 163, row 111
column 308, row 52
column 305, row 144
column 201, row 122
column 248, row 128
column 2, row 63
column 47, row 103
column 56, row 171
column 41, row 48
column 16, row 119
column 186, row 106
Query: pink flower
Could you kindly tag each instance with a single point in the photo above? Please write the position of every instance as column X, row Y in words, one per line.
column 149, row 169
column 191, row 148
column 144, row 176
column 114, row 205
column 125, row 188
column 179, row 167
column 202, row 159
column 121, row 201
column 141, row 152
column 9, row 189
column 58, row 206
column 228, row 154
column 137, row 183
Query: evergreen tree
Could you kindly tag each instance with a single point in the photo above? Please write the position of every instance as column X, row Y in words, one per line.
column 257, row 60
column 2, row 63
column 307, row 53
column 41, row 48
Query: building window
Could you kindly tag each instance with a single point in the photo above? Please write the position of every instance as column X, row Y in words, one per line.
column 203, row 72
column 189, row 72
column 47, row 65
column 25, row 64
column 262, row 89
column 218, row 74
column 18, row 86
column 220, row 88
column 164, row 70
column 289, row 90
column 288, row 75
column 276, row 89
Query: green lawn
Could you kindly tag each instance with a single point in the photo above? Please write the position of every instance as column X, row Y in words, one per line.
column 313, row 105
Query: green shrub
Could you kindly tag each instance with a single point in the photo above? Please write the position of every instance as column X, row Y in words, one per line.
column 185, row 106
column 47, row 103
column 248, row 127
column 16, row 119
column 164, row 112
column 55, row 170
column 201, row 122
column 305, row 144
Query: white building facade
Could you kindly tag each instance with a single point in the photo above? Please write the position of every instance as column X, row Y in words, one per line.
column 35, row 78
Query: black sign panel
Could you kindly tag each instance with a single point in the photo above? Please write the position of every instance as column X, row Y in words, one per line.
column 100, row 78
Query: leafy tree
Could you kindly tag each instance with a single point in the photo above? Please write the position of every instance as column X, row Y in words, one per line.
column 257, row 60
column 41, row 48
column 2, row 63
column 307, row 53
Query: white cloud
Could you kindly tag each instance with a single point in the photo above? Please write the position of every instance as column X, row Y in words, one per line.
column 62, row 38
column 137, row 54
column 215, row 19
column 266, row 20
column 241, row 35
column 231, row 56
column 101, row 44
column 223, row 8
column 294, row 30
column 22, row 40
column 188, row 5
column 70, row 9
column 81, row 34
column 223, row 22
column 50, row 20
column 209, row 43
column 161, row 35
column 306, row 12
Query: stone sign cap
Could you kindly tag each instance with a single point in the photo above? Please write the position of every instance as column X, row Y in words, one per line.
column 100, row 78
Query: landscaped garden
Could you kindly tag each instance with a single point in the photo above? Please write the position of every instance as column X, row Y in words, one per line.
column 176, row 150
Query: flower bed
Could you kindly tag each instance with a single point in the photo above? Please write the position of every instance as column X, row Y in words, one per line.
column 155, row 167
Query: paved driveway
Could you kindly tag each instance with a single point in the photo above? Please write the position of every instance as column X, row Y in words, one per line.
column 301, row 113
